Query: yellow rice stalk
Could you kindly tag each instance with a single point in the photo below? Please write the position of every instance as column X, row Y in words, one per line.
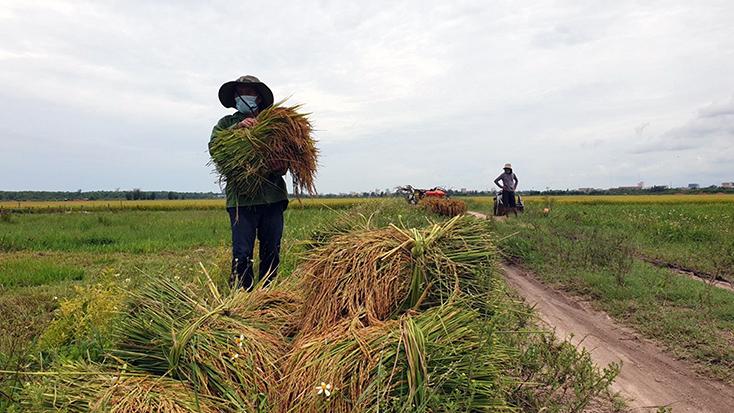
column 420, row 362
column 226, row 346
column 243, row 156
column 443, row 206
column 371, row 275
column 85, row 387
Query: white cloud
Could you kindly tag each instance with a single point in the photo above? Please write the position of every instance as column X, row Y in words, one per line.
column 712, row 128
column 402, row 92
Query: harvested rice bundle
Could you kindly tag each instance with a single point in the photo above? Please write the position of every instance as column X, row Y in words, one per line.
column 84, row 387
column 374, row 274
column 444, row 206
column 439, row 360
column 243, row 156
column 342, row 224
column 277, row 307
column 367, row 215
column 227, row 347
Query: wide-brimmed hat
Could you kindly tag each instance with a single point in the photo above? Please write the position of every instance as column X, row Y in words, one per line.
column 226, row 91
column 507, row 166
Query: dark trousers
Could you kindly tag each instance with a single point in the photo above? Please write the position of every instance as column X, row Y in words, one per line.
column 508, row 199
column 264, row 222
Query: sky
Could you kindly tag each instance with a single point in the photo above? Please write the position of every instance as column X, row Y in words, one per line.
column 100, row 95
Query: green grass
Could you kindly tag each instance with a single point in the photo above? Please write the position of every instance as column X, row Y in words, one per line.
column 138, row 232
column 693, row 235
column 55, row 316
column 23, row 272
column 581, row 249
column 47, row 257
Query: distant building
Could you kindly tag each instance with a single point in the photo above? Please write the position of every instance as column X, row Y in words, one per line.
column 586, row 190
column 729, row 185
column 694, row 186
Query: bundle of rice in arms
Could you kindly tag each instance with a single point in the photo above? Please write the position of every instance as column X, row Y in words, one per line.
column 244, row 157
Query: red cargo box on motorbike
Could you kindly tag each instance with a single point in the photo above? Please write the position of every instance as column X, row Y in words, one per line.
column 436, row 192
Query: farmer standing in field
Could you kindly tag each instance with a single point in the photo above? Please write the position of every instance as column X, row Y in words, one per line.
column 259, row 215
column 509, row 185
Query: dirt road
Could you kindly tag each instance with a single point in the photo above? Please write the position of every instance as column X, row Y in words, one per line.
column 649, row 377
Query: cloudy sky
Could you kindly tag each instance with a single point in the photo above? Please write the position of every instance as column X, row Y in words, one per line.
column 123, row 94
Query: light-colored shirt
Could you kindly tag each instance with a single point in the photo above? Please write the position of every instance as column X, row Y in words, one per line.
column 509, row 181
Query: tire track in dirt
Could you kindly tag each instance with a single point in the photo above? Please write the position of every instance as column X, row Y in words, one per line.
column 695, row 275
column 689, row 273
column 649, row 377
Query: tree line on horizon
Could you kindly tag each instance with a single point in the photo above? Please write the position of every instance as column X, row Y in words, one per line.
column 138, row 194
column 130, row 195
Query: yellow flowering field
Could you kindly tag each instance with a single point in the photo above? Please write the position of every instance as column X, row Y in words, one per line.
column 164, row 204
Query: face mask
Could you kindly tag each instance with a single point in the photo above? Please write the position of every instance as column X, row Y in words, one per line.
column 246, row 104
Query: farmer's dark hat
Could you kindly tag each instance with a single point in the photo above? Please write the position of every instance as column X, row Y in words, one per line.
column 226, row 91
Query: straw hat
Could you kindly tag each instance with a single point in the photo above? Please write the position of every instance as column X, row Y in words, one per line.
column 226, row 91
column 508, row 166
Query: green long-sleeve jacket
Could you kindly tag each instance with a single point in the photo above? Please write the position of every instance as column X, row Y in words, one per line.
column 269, row 194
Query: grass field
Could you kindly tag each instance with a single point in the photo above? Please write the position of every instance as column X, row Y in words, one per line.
column 63, row 278
column 596, row 250
column 695, row 232
column 59, row 263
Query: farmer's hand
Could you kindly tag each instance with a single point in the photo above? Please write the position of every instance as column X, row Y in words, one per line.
column 247, row 123
column 279, row 167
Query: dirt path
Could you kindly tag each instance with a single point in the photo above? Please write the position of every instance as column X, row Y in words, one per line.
column 649, row 376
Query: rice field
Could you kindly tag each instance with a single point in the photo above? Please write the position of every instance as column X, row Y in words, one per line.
column 444, row 334
column 71, row 274
column 691, row 231
column 162, row 205
column 617, row 199
column 342, row 203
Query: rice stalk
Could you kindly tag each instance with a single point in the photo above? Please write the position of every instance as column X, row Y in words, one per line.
column 243, row 156
column 85, row 387
column 228, row 347
column 443, row 206
column 435, row 361
column 374, row 274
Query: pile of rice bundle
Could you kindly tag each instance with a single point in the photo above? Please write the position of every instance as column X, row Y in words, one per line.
column 374, row 274
column 243, row 156
column 438, row 360
column 444, row 206
column 86, row 387
column 342, row 224
column 375, row 320
column 226, row 347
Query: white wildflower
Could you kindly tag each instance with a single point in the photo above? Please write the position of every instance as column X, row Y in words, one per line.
column 324, row 388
